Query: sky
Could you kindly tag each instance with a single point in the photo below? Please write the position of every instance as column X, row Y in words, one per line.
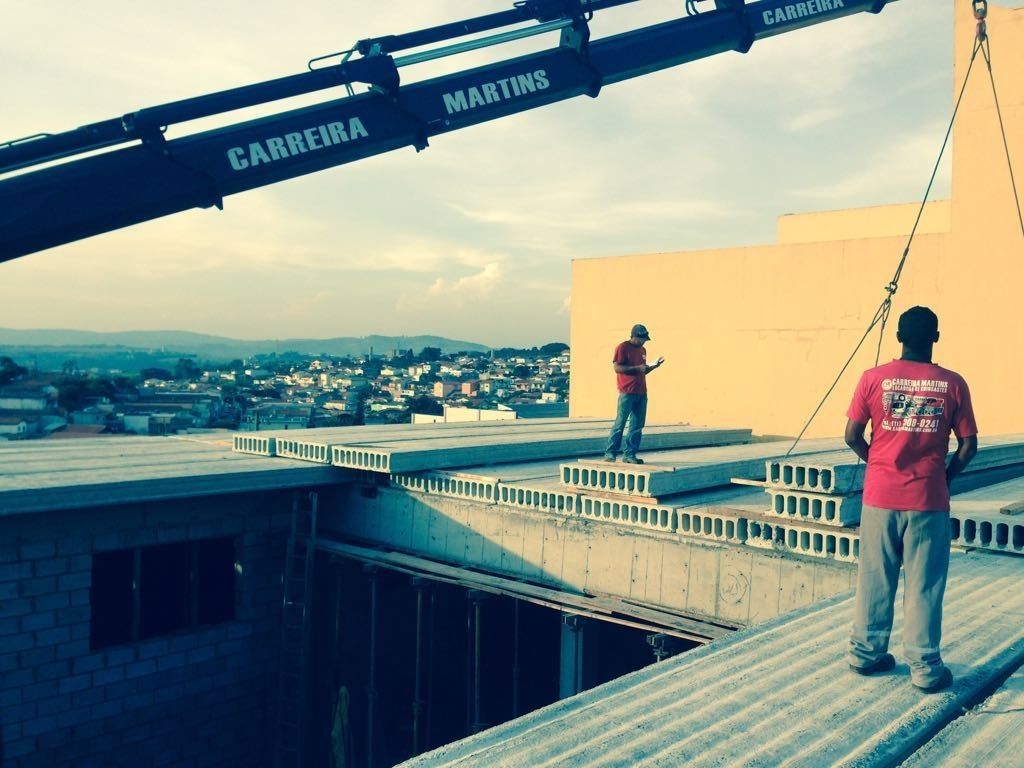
column 472, row 238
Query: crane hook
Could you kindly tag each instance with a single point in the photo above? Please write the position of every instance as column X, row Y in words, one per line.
column 980, row 8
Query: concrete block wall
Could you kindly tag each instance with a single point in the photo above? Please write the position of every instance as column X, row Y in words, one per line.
column 193, row 698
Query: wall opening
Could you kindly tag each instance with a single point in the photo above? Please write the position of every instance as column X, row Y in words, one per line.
column 402, row 664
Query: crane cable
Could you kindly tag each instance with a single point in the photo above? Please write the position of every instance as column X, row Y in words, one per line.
column 986, row 50
column 881, row 316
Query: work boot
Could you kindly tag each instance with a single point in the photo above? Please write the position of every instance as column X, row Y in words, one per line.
column 632, row 460
column 941, row 683
column 882, row 664
column 609, row 457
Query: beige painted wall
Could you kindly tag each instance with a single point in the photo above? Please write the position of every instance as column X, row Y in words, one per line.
column 754, row 336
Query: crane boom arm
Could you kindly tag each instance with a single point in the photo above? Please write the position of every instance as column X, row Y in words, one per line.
column 155, row 177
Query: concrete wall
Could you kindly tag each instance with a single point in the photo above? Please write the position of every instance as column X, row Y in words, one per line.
column 194, row 698
column 735, row 584
column 754, row 336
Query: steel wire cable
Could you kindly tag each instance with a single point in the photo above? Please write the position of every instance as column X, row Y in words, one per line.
column 881, row 317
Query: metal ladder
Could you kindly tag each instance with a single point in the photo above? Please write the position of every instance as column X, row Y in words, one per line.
column 296, row 590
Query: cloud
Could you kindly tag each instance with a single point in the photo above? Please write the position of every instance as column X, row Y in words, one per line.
column 455, row 294
column 813, row 118
column 476, row 286
column 583, row 211
column 896, row 173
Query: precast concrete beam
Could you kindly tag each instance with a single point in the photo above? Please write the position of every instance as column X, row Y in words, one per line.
column 812, row 541
column 440, row 484
column 704, row 524
column 315, row 444
column 993, row 531
column 823, row 473
column 534, row 495
column 692, row 469
column 523, row 445
column 254, row 443
column 823, row 508
column 841, row 473
column 637, row 514
column 977, row 520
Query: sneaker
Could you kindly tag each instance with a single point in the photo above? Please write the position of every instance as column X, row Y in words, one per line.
column 632, row 460
column 882, row 664
column 944, row 680
column 609, row 457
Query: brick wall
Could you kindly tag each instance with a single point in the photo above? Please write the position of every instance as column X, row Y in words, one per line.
column 199, row 697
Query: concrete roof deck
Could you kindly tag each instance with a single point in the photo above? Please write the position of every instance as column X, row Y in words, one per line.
column 777, row 694
column 40, row 476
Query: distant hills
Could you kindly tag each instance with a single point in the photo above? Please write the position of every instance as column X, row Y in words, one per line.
column 49, row 349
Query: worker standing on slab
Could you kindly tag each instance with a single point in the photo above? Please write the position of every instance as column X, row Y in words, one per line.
column 631, row 369
column 912, row 405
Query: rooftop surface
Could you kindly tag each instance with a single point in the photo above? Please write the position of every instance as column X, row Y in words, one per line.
column 42, row 476
column 776, row 694
column 780, row 694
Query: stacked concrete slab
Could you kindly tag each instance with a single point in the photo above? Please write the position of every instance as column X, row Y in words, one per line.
column 404, row 448
column 670, row 473
column 816, row 502
column 825, row 487
column 686, row 493
column 683, row 490
column 315, row 444
column 990, row 518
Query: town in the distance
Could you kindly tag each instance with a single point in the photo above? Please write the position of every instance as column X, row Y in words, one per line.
column 275, row 391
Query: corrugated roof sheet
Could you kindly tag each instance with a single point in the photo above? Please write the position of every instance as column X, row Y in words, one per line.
column 990, row 735
column 778, row 694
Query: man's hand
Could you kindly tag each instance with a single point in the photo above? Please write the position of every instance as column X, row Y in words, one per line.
column 966, row 448
column 657, row 364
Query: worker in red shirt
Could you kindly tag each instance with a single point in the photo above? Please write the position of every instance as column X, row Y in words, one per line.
column 631, row 369
column 912, row 404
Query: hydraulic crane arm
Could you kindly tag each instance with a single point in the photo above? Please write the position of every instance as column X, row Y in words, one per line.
column 84, row 196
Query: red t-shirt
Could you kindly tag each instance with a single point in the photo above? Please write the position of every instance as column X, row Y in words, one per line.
column 912, row 408
column 631, row 383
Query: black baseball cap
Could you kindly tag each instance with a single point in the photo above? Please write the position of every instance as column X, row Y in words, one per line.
column 640, row 331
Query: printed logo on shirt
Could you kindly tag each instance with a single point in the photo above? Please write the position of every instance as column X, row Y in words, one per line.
column 915, row 385
column 899, row 405
column 911, row 413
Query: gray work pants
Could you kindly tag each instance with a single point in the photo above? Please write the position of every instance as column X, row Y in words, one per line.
column 920, row 542
column 635, row 408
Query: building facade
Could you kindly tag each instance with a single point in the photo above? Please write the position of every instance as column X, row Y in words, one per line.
column 756, row 335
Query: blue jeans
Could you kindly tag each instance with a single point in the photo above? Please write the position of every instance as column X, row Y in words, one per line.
column 919, row 541
column 633, row 407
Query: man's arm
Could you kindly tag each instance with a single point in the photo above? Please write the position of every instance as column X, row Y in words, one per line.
column 966, row 448
column 628, row 368
column 855, row 438
column 637, row 368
